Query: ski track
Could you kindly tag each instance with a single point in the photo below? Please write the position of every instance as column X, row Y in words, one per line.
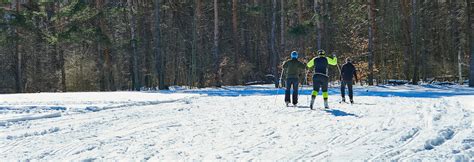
column 251, row 128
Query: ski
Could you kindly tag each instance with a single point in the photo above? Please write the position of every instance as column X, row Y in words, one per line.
column 319, row 108
column 341, row 102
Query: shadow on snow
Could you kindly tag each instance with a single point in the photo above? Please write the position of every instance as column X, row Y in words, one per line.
column 334, row 112
column 427, row 91
column 340, row 113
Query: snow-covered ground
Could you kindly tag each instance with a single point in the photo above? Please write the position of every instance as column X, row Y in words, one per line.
column 239, row 123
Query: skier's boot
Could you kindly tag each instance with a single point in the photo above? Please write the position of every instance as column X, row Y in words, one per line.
column 326, row 105
column 343, row 100
column 312, row 102
column 352, row 101
column 287, row 104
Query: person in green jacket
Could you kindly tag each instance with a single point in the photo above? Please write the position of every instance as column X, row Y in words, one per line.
column 292, row 70
column 320, row 76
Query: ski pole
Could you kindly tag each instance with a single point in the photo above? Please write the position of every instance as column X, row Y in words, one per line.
column 306, row 83
column 302, row 84
column 279, row 85
column 338, row 67
column 340, row 74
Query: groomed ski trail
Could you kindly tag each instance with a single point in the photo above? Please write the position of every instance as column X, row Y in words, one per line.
column 252, row 127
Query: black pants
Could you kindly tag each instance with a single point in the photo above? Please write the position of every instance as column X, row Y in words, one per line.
column 289, row 83
column 320, row 81
column 343, row 88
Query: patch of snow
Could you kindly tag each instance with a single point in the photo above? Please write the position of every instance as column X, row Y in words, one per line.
column 36, row 133
column 4, row 121
column 443, row 135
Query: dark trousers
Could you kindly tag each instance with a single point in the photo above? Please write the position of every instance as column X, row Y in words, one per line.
column 289, row 83
column 343, row 88
column 320, row 81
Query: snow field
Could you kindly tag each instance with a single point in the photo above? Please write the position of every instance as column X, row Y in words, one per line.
column 245, row 123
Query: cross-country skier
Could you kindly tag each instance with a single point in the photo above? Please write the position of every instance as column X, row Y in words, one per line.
column 320, row 76
column 348, row 71
column 292, row 70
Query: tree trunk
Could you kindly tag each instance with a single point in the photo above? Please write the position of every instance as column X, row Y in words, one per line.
column 110, row 80
column 59, row 52
column 404, row 5
column 272, row 43
column 300, row 11
column 101, row 65
column 470, row 10
column 414, row 43
column 216, row 45
column 235, row 31
column 135, row 82
column 326, row 26
column 19, row 61
column 62, row 61
column 456, row 43
column 317, row 11
column 372, row 24
column 460, row 80
column 282, row 26
column 159, row 65
column 147, row 29
column 106, row 79
column 199, row 47
column 236, row 40
column 423, row 60
column 19, row 57
column 384, row 27
column 194, row 50
column 424, row 41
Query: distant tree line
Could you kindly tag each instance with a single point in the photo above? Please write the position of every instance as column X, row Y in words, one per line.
column 108, row 45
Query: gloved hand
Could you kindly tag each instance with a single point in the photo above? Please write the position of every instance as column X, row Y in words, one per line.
column 280, row 83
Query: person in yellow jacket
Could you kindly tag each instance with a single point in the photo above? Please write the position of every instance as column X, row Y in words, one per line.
column 320, row 77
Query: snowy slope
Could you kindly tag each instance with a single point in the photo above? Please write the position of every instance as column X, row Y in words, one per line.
column 243, row 123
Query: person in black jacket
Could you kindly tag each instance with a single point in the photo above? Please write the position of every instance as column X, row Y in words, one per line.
column 347, row 72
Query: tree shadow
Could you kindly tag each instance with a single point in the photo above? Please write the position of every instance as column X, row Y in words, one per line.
column 426, row 91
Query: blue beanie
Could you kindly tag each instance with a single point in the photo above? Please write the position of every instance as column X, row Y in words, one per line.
column 294, row 55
